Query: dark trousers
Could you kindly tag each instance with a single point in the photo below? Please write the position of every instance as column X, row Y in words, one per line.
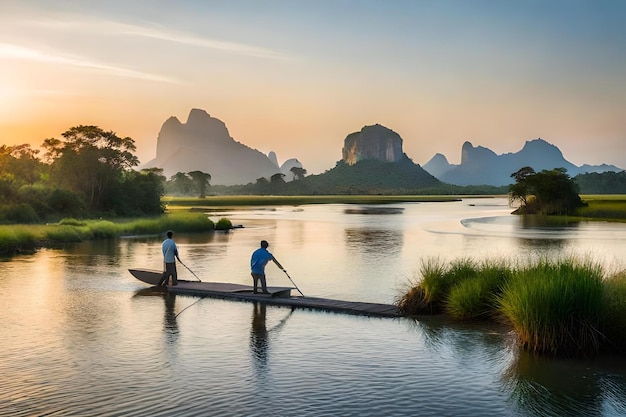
column 170, row 271
column 259, row 277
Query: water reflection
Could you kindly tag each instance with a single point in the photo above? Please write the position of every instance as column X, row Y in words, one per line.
column 260, row 335
column 541, row 245
column 546, row 222
column 373, row 210
column 535, row 385
column 376, row 241
column 259, row 344
column 169, row 319
column 555, row 387
column 465, row 339
column 170, row 322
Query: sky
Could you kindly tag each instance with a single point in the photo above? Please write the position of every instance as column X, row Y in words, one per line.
column 297, row 76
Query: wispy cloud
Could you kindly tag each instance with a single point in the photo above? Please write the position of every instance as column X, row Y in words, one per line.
column 166, row 35
column 88, row 24
column 18, row 52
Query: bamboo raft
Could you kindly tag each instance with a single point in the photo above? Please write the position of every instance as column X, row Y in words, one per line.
column 276, row 296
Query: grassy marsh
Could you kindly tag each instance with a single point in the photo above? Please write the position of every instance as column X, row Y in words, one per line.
column 561, row 307
column 27, row 238
column 604, row 207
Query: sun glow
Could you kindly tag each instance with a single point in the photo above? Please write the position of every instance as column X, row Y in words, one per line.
column 7, row 95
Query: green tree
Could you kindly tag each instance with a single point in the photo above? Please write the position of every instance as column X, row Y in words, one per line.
column 180, row 184
column 277, row 179
column 91, row 162
column 20, row 163
column 141, row 192
column 602, row 183
column 298, row 172
column 519, row 190
column 201, row 181
column 547, row 192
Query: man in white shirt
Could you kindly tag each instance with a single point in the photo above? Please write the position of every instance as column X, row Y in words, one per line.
column 170, row 254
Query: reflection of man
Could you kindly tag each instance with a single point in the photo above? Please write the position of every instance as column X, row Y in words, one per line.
column 258, row 337
column 170, row 315
column 170, row 254
column 260, row 258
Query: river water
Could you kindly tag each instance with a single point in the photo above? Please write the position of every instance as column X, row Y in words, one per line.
column 82, row 337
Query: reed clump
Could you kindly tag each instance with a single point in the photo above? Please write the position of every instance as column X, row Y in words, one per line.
column 558, row 307
column 475, row 297
column 555, row 306
column 463, row 288
column 614, row 312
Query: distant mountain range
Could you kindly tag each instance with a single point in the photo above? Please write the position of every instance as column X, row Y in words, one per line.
column 482, row 166
column 204, row 144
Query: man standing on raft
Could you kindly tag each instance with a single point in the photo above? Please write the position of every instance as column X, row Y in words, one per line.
column 170, row 254
column 260, row 258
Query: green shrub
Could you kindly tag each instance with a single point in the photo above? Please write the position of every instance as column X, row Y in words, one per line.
column 22, row 213
column 223, row 224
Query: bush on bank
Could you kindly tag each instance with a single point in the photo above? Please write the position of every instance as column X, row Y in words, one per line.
column 562, row 307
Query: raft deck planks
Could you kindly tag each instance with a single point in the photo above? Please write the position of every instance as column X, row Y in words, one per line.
column 281, row 296
column 278, row 296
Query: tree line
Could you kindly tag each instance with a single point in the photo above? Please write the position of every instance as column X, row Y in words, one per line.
column 88, row 172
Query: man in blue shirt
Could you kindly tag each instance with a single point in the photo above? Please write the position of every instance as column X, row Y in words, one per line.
column 170, row 254
column 260, row 258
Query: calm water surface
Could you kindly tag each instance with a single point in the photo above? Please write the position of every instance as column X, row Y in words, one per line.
column 81, row 337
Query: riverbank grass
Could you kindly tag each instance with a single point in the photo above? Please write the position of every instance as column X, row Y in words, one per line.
column 555, row 306
column 558, row 307
column 27, row 238
column 464, row 288
column 614, row 311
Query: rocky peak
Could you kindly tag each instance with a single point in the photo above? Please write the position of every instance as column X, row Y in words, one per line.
column 372, row 142
column 478, row 154
column 203, row 143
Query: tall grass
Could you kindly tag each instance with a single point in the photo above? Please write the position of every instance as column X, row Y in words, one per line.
column 560, row 307
column 554, row 306
column 463, row 288
column 605, row 207
column 476, row 296
column 18, row 238
column 614, row 312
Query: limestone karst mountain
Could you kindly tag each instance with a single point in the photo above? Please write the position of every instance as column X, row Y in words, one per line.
column 372, row 142
column 482, row 166
column 372, row 162
column 204, row 144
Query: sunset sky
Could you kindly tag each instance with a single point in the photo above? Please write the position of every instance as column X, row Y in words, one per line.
column 296, row 77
